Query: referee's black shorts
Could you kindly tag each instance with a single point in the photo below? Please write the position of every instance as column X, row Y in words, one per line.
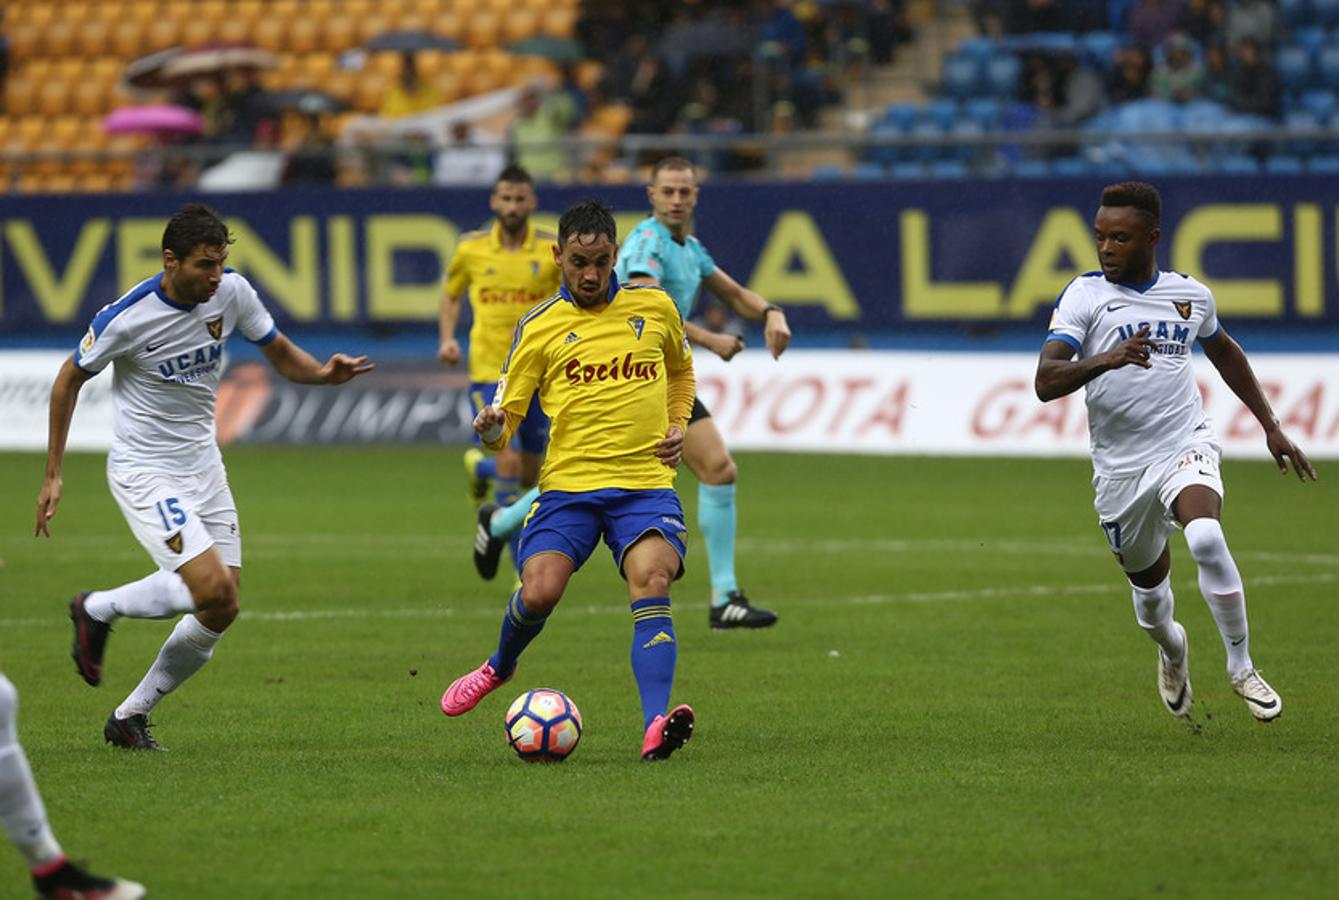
column 699, row 411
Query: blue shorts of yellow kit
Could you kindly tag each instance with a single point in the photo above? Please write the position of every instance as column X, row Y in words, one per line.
column 572, row 523
column 532, row 435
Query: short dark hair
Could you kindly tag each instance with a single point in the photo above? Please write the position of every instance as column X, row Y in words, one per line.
column 193, row 225
column 671, row 162
column 514, row 174
column 587, row 217
column 1143, row 197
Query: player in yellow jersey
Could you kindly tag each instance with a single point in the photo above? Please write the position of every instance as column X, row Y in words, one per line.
column 613, row 369
column 504, row 271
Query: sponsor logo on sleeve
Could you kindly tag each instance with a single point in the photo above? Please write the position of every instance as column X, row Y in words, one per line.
column 89, row 339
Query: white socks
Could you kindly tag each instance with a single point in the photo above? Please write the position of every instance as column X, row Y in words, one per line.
column 1153, row 609
column 161, row 595
column 1220, row 583
column 187, row 648
column 21, row 807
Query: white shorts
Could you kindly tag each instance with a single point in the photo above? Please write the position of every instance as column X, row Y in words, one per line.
column 1135, row 510
column 178, row 517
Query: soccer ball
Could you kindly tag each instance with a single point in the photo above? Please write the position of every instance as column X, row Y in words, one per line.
column 543, row 725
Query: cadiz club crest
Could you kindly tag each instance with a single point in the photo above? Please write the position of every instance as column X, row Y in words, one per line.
column 215, row 326
column 174, row 543
column 636, row 323
column 1182, row 307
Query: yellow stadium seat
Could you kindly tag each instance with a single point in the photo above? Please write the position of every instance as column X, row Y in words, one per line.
column 105, row 68
column 429, row 62
column 28, row 134
column 127, row 39
column 162, row 33
column 304, row 35
column 58, row 182
column 24, row 41
column 317, row 69
column 450, row 24
column 450, row 85
column 270, row 34
column 40, row 69
column 63, row 132
column 518, row 25
column 370, row 90
column 197, row 32
column 387, row 64
column 39, row 14
column 53, row 97
column 20, row 95
column 93, row 37
column 75, row 11
column 236, row 31
column 341, row 33
column 215, row 12
column 251, row 10
column 96, row 182
column 482, row 81
column 372, row 25
column 559, row 22
column 58, row 38
column 483, row 29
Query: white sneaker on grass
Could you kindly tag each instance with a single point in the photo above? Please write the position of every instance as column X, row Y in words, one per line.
column 1174, row 679
column 1261, row 699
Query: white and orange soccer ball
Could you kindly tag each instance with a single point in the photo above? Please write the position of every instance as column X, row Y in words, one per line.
column 543, row 725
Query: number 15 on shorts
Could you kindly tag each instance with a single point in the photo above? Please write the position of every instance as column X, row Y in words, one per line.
column 171, row 513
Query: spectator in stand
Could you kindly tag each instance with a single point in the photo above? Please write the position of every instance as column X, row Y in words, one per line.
column 1218, row 74
column 1253, row 20
column 463, row 161
column 311, row 153
column 1204, row 21
column 1254, row 82
column 1081, row 90
column 1129, row 80
column 246, row 115
column 540, row 121
column 1151, row 21
column 1178, row 76
column 411, row 95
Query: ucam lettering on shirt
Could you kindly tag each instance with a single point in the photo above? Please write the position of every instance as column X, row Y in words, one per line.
column 187, row 367
column 1169, row 338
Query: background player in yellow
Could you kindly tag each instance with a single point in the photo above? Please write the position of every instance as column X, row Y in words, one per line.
column 613, row 369
column 503, row 270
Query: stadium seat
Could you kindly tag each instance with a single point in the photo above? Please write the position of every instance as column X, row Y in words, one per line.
column 948, row 168
column 942, row 112
column 1237, row 165
column 1313, row 38
column 1072, row 167
column 978, row 49
column 1284, row 165
column 1293, row 64
column 964, row 130
column 1032, row 168
column 1295, row 12
column 1327, row 65
column 518, row 25
column 902, row 116
column 1320, row 103
column 1098, row 49
column 933, row 147
column 1323, row 165
column 560, row 22
column 1301, row 120
column 1325, row 12
column 961, row 77
column 984, row 111
column 1002, row 74
column 907, row 171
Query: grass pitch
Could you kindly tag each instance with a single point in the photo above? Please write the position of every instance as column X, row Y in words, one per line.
column 956, row 702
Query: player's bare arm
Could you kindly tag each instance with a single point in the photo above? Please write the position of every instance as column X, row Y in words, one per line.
column 448, row 351
column 1231, row 362
column 1059, row 374
column 64, row 395
column 751, row 305
column 670, row 450
column 297, row 365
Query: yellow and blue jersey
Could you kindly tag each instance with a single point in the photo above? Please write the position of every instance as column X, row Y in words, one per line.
column 650, row 249
column 612, row 381
column 502, row 284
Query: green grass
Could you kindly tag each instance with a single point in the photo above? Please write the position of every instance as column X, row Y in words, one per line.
column 956, row 702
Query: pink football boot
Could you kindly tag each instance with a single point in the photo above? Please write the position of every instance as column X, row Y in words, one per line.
column 666, row 733
column 466, row 691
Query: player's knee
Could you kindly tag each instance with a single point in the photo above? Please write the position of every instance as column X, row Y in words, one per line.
column 1205, row 539
column 216, row 600
column 720, row 471
column 539, row 595
column 654, row 583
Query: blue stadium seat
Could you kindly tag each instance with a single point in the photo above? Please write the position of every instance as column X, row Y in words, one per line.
column 1002, row 74
column 1295, row 12
column 831, row 172
column 1320, row 104
column 978, row 49
column 1072, row 167
column 867, row 171
column 1323, row 165
column 1203, row 116
column 1325, row 12
column 948, row 168
column 1327, row 63
column 1300, row 119
column 1238, row 165
column 984, row 111
column 961, row 77
column 886, row 155
column 907, row 171
column 1032, row 168
column 1284, row 165
column 1313, row 38
column 1293, row 64
column 1098, row 49
column 966, row 128
column 902, row 116
column 931, row 150
column 941, row 112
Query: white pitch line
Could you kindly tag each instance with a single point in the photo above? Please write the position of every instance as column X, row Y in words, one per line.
column 1113, row 588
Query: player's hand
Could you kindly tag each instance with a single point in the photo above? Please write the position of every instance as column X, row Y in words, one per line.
column 670, row 450
column 1283, row 449
column 341, row 368
column 776, row 332
column 47, row 499
column 725, row 345
column 489, row 419
column 449, row 353
column 1134, row 351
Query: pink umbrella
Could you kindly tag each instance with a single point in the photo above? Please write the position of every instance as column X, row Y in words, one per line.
column 162, row 120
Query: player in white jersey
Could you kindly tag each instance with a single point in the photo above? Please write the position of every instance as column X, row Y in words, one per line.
column 165, row 341
column 1155, row 454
